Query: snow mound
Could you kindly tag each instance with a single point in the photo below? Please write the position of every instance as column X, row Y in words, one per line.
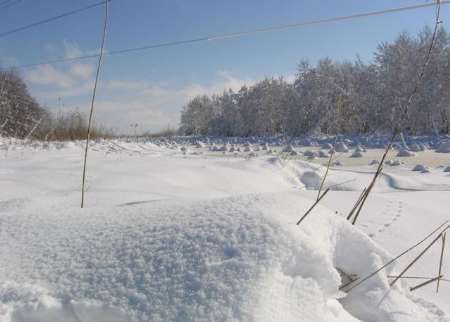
column 232, row 259
column 419, row 167
column 288, row 149
column 199, row 144
column 356, row 154
column 311, row 179
column 34, row 303
column 309, row 154
column 207, row 262
column 341, row 147
column 415, row 147
column 444, row 147
column 405, row 153
column 323, row 154
column 393, row 163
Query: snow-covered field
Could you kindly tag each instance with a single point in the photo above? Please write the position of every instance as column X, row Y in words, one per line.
column 201, row 231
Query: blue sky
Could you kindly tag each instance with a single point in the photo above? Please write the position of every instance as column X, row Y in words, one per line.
column 150, row 87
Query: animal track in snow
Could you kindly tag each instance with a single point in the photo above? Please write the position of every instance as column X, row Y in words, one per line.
column 388, row 216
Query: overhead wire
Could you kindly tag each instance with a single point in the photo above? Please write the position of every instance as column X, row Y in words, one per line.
column 47, row 20
column 9, row 3
column 235, row 34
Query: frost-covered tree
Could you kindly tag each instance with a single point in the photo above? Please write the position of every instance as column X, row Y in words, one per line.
column 197, row 115
column 340, row 97
column 19, row 112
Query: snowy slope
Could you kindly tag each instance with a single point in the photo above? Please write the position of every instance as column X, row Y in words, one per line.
column 168, row 237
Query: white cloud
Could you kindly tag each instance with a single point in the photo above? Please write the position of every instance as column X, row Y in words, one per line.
column 70, row 80
column 67, row 77
column 71, row 49
column 150, row 116
column 82, row 71
column 121, row 102
column 83, row 89
column 49, row 75
column 125, row 85
column 225, row 81
column 155, row 106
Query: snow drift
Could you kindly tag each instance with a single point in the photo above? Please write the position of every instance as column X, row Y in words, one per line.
column 177, row 237
column 232, row 259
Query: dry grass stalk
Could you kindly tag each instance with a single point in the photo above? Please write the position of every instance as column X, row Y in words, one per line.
column 418, row 278
column 326, row 173
column 312, row 207
column 394, row 259
column 415, row 260
column 368, row 190
column 425, row 283
column 341, row 183
column 360, row 202
column 88, row 134
column 440, row 261
column 361, row 196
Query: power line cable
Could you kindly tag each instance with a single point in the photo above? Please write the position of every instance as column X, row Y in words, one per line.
column 45, row 21
column 6, row 2
column 10, row 4
column 237, row 34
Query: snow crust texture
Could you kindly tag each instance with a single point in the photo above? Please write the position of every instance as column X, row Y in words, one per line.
column 220, row 260
column 182, row 239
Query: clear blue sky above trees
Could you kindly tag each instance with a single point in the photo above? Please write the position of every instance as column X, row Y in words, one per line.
column 180, row 69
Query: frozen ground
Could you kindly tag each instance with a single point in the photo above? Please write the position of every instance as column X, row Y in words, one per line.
column 181, row 231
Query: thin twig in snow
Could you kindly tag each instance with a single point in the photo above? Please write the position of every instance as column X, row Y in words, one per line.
column 326, row 173
column 418, row 278
column 440, row 261
column 360, row 202
column 312, row 207
column 415, row 260
column 394, row 259
column 366, row 194
column 88, row 134
column 361, row 196
column 411, row 289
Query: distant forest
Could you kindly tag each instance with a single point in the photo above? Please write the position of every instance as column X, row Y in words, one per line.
column 331, row 97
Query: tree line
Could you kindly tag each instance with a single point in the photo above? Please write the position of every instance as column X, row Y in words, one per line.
column 21, row 116
column 331, row 97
